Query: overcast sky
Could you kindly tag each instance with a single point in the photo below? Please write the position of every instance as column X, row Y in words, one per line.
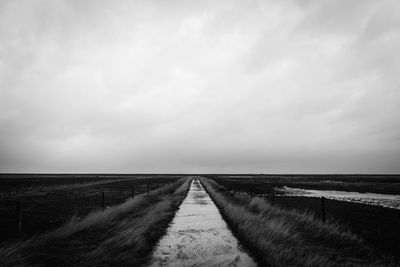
column 292, row 86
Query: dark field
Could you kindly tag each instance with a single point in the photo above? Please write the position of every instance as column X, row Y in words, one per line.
column 48, row 201
column 378, row 226
column 384, row 184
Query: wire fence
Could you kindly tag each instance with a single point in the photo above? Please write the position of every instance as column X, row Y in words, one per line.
column 273, row 199
column 32, row 214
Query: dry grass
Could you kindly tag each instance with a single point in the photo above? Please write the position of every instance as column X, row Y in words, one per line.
column 282, row 237
column 122, row 235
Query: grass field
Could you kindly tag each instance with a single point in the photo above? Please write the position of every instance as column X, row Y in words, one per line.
column 122, row 235
column 50, row 200
column 378, row 226
column 385, row 184
column 62, row 213
column 282, row 237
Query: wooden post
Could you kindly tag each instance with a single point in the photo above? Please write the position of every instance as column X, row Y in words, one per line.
column 102, row 200
column 323, row 209
column 19, row 217
column 148, row 187
column 273, row 197
column 133, row 190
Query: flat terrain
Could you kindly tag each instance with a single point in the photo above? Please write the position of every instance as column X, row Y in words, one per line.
column 384, row 184
column 378, row 226
column 48, row 201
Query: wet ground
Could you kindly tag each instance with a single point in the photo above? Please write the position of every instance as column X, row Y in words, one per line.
column 383, row 200
column 198, row 236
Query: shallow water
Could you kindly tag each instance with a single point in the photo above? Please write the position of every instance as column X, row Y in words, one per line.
column 198, row 236
column 383, row 200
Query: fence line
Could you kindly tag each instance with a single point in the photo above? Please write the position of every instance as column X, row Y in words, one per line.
column 252, row 194
column 19, row 207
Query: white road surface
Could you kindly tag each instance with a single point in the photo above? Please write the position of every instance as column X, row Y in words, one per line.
column 198, row 236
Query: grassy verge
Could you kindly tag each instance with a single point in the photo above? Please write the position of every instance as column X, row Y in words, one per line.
column 122, row 235
column 377, row 226
column 281, row 237
column 48, row 202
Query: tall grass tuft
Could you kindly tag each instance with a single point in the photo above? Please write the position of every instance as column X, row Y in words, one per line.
column 122, row 235
column 281, row 237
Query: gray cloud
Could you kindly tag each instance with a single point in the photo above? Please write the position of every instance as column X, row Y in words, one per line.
column 199, row 86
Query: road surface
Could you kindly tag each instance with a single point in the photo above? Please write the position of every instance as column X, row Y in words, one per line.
column 198, row 236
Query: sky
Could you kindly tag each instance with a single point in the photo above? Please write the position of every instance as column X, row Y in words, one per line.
column 180, row 86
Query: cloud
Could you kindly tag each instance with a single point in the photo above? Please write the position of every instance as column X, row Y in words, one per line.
column 227, row 86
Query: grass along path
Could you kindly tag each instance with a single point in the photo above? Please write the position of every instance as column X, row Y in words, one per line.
column 198, row 236
column 282, row 237
column 122, row 235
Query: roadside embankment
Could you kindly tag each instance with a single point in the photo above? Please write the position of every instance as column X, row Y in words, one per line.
column 281, row 237
column 122, row 235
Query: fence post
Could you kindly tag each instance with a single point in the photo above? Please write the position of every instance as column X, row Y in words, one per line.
column 148, row 187
column 323, row 209
column 133, row 190
column 273, row 197
column 19, row 217
column 102, row 200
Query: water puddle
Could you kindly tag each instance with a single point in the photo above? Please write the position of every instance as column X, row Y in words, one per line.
column 198, row 236
column 383, row 200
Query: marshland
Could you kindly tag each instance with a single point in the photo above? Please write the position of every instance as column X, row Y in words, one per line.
column 64, row 221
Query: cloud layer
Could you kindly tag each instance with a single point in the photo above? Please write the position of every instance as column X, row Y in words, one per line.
column 200, row 86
